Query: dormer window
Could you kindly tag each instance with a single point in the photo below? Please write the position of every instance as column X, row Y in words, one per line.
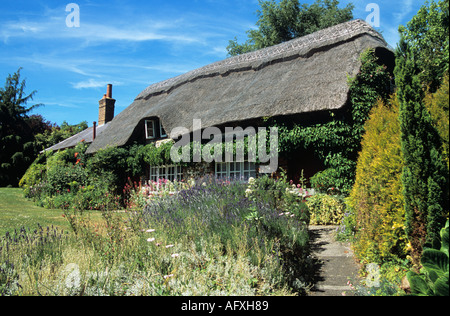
column 154, row 129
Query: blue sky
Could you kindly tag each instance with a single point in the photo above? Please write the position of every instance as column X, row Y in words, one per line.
column 130, row 44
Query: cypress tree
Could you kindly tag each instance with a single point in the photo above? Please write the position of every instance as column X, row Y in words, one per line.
column 425, row 175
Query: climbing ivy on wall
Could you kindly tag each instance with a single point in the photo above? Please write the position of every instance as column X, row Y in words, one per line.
column 338, row 140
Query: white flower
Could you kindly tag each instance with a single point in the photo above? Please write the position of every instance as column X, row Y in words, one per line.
column 175, row 255
column 73, row 279
column 168, row 276
column 151, row 231
column 281, row 214
column 151, row 239
column 169, row 246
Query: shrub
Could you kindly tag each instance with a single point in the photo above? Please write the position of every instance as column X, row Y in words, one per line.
column 325, row 209
column 376, row 198
column 334, row 180
column 280, row 195
column 433, row 280
column 34, row 176
column 61, row 179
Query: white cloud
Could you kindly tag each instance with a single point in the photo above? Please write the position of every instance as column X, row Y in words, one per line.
column 93, row 83
column 134, row 31
column 77, row 66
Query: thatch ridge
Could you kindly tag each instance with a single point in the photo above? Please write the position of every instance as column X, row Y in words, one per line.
column 302, row 46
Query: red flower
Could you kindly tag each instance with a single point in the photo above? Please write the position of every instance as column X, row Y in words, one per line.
column 76, row 155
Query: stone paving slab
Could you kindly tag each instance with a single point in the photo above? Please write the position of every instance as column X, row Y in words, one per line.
column 336, row 265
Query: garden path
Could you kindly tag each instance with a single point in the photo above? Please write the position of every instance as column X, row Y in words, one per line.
column 335, row 265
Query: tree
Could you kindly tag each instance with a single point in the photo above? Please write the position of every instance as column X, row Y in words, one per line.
column 377, row 196
column 425, row 174
column 16, row 137
column 288, row 19
column 427, row 34
column 56, row 134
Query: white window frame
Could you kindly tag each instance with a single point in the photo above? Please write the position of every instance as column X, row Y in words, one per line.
column 170, row 173
column 153, row 123
column 235, row 170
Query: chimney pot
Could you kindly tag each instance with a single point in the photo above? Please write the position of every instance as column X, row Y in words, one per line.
column 109, row 91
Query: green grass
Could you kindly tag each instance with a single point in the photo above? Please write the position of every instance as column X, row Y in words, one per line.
column 16, row 212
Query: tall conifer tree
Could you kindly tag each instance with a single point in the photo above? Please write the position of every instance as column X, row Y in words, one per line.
column 425, row 175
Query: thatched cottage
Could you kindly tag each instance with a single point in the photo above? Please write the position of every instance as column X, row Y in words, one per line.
column 293, row 81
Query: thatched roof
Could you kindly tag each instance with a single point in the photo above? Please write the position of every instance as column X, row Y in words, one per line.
column 84, row 136
column 307, row 74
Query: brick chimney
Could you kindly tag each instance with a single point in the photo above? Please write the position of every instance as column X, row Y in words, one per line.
column 106, row 107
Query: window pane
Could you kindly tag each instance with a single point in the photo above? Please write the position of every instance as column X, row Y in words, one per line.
column 150, row 129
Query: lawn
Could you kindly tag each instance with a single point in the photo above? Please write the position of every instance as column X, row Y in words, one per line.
column 16, row 212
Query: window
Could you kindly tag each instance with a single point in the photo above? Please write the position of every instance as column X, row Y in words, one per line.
column 150, row 132
column 235, row 170
column 154, row 129
column 170, row 173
